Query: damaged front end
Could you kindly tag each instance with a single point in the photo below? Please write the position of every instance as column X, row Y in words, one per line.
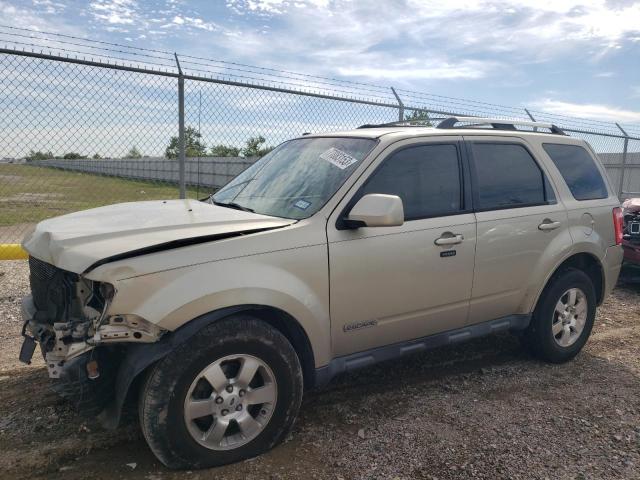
column 67, row 315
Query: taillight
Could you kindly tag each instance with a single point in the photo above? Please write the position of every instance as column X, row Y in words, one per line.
column 618, row 224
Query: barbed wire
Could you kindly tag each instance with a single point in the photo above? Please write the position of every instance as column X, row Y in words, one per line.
column 81, row 55
column 169, row 56
column 111, row 53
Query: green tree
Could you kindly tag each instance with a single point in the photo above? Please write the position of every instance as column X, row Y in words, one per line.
column 418, row 117
column 134, row 153
column 96, row 156
column 224, row 151
column 254, row 147
column 34, row 156
column 72, row 156
column 194, row 146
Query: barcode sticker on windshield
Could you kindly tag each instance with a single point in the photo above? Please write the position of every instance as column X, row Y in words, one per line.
column 338, row 158
column 302, row 204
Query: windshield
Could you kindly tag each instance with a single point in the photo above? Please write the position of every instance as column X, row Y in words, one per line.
column 297, row 178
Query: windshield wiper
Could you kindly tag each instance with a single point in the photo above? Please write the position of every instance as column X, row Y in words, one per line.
column 234, row 205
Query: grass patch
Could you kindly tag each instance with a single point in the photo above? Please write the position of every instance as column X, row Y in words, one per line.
column 29, row 194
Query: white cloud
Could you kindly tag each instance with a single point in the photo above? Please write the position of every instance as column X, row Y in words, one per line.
column 414, row 70
column 180, row 21
column 36, row 18
column 500, row 40
column 118, row 12
column 50, row 7
column 477, row 25
column 594, row 111
column 260, row 6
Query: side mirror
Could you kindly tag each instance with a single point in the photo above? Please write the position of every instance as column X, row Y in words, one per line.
column 377, row 210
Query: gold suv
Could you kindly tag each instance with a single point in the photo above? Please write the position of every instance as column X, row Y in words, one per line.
column 333, row 252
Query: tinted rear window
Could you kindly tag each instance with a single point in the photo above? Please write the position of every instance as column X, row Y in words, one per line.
column 579, row 171
column 507, row 176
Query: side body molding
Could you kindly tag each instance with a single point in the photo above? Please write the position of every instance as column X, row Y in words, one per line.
column 389, row 352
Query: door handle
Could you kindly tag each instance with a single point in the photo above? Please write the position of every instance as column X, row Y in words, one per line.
column 449, row 238
column 547, row 225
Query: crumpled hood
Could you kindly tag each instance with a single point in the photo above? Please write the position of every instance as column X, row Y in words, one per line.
column 76, row 241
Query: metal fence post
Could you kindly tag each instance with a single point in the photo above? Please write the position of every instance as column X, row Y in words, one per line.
column 624, row 161
column 181, row 139
column 400, row 105
column 535, row 129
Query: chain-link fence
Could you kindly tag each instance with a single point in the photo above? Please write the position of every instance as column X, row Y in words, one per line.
column 104, row 123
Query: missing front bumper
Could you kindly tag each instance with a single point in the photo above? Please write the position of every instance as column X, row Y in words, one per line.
column 52, row 338
column 78, row 384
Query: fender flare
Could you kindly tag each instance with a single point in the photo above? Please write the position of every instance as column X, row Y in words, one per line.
column 556, row 269
column 139, row 356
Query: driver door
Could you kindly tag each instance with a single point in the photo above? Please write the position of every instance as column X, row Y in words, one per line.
column 392, row 284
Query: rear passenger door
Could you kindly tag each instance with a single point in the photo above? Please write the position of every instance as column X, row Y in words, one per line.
column 521, row 226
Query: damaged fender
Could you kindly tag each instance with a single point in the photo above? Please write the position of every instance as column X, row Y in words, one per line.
column 139, row 356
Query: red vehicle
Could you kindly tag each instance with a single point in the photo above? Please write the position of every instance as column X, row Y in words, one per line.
column 631, row 232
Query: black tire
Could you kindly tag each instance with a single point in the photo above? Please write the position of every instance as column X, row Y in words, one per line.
column 539, row 338
column 161, row 404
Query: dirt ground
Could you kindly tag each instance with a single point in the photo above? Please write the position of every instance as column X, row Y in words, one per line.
column 477, row 410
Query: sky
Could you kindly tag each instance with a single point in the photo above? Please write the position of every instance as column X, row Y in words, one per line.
column 573, row 57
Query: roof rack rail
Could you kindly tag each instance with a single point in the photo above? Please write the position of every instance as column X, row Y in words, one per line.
column 401, row 123
column 498, row 123
column 410, row 122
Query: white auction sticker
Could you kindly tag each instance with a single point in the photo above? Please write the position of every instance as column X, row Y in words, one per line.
column 338, row 158
column 302, row 204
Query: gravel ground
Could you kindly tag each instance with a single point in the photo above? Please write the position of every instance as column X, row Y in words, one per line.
column 479, row 410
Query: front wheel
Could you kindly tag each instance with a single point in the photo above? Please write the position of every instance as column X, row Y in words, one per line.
column 231, row 392
column 563, row 318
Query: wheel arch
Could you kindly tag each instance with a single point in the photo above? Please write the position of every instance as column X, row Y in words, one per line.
column 585, row 262
column 293, row 330
column 140, row 357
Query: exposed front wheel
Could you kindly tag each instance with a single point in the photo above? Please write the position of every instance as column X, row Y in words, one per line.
column 230, row 402
column 230, row 393
column 563, row 318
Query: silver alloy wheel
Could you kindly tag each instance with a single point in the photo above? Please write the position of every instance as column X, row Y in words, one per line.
column 569, row 317
column 230, row 402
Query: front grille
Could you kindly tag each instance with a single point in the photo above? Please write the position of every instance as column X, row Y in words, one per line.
column 41, row 276
column 51, row 289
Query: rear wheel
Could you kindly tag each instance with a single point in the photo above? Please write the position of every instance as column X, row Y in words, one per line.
column 563, row 318
column 232, row 392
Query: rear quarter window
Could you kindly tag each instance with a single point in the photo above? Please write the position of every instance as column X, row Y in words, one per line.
column 579, row 171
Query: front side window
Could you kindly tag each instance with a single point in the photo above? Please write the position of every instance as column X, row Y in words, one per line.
column 578, row 169
column 507, row 176
column 425, row 177
column 297, row 178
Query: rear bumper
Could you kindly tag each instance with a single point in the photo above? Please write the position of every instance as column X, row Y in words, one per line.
column 612, row 265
